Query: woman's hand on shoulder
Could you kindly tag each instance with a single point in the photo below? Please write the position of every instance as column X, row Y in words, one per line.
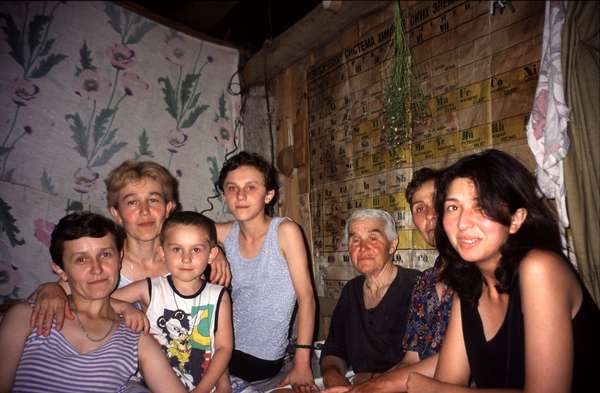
column 51, row 303
column 220, row 273
column 135, row 319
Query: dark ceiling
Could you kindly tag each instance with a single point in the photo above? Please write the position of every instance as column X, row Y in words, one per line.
column 244, row 24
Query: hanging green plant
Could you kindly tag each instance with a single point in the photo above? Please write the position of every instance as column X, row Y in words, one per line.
column 405, row 104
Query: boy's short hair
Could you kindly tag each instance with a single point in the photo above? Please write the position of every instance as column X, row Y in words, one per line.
column 256, row 161
column 187, row 217
column 83, row 224
column 132, row 171
column 420, row 177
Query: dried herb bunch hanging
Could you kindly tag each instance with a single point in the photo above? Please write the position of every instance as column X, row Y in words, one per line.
column 405, row 104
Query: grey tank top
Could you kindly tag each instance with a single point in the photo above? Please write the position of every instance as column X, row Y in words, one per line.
column 262, row 294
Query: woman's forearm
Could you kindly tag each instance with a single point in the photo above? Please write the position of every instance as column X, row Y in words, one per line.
column 306, row 323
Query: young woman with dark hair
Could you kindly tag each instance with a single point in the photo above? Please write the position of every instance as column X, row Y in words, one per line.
column 522, row 319
column 270, row 274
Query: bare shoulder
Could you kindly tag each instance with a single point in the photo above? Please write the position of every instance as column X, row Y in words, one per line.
column 542, row 263
column 544, row 274
column 288, row 227
column 18, row 314
column 223, row 229
column 289, row 234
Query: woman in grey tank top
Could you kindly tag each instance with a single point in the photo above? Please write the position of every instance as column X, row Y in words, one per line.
column 269, row 268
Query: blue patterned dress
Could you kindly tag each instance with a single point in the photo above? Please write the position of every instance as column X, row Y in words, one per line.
column 428, row 318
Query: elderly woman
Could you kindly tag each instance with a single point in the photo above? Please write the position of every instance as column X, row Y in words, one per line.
column 140, row 196
column 431, row 300
column 369, row 321
column 86, row 250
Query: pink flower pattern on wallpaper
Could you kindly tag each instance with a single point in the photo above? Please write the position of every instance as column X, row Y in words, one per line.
column 181, row 92
column 24, row 91
column 43, row 230
column 90, row 84
column 10, row 278
column 93, row 131
column 134, row 85
column 120, row 56
column 175, row 49
column 35, row 56
column 96, row 103
column 221, row 132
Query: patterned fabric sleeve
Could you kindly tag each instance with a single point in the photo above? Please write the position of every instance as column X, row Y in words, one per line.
column 414, row 326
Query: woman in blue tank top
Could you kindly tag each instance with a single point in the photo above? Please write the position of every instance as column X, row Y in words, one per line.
column 270, row 271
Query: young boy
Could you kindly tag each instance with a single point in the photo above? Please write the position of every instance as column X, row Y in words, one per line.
column 189, row 317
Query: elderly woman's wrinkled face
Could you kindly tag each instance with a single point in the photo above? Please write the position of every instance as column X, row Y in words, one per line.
column 369, row 247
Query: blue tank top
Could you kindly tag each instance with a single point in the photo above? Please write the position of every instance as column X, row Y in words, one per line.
column 262, row 294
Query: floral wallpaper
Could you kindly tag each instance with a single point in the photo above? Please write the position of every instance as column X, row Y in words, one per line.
column 84, row 86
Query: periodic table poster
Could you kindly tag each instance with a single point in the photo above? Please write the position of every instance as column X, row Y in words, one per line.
column 478, row 72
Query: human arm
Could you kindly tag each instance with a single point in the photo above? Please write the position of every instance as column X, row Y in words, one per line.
column 395, row 379
column 51, row 303
column 334, row 355
column 14, row 330
column 121, row 302
column 294, row 252
column 155, row 368
column 550, row 298
column 224, row 383
column 452, row 372
column 223, row 348
column 420, row 329
column 220, row 272
column 333, row 370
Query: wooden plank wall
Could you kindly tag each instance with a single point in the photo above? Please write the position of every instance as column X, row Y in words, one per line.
column 479, row 72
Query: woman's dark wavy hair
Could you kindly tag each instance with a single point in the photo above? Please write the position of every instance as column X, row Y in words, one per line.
column 503, row 185
column 254, row 160
column 83, row 224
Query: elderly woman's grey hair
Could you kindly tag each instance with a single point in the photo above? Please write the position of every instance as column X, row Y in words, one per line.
column 376, row 214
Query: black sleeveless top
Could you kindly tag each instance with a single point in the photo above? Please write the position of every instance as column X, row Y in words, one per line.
column 500, row 362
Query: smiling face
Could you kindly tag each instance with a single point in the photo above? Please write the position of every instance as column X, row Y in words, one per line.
column 187, row 251
column 245, row 193
column 369, row 247
column 141, row 209
column 423, row 211
column 90, row 266
column 476, row 237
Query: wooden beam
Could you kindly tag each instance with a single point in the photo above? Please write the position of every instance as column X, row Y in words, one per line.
column 316, row 29
column 143, row 11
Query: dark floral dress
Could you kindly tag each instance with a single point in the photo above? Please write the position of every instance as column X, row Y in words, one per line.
column 428, row 318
